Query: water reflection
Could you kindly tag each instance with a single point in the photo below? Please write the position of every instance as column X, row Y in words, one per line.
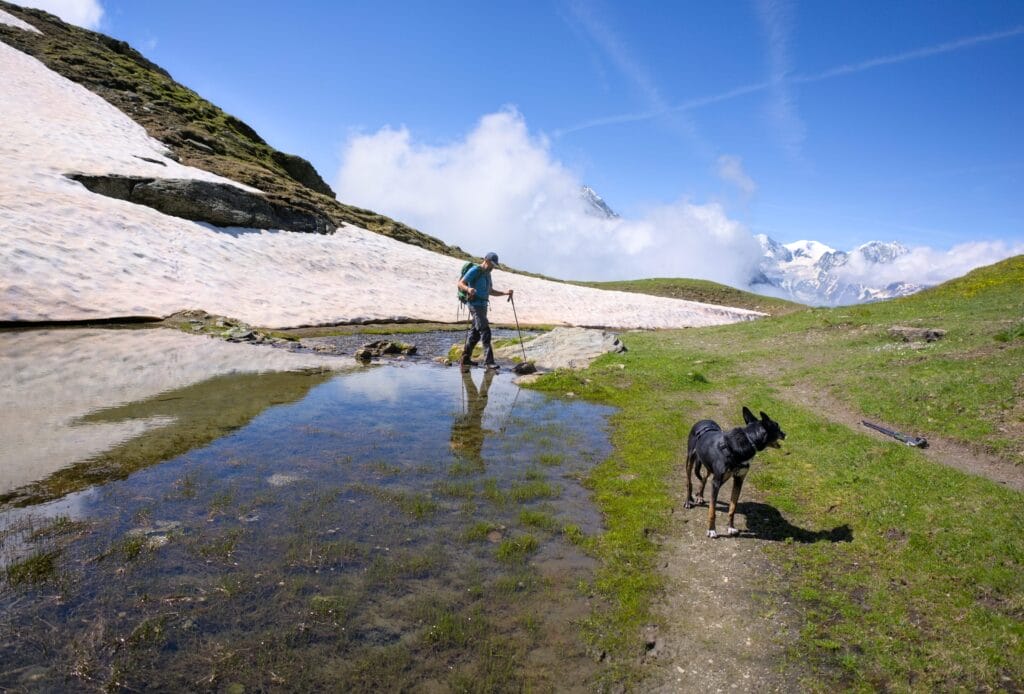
column 105, row 399
column 467, row 440
column 393, row 528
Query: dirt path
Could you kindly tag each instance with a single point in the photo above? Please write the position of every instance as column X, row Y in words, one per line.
column 717, row 630
column 716, row 627
column 942, row 451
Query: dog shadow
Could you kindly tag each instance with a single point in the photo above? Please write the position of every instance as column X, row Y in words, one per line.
column 766, row 523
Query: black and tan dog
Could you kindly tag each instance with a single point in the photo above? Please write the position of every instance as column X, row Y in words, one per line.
column 725, row 454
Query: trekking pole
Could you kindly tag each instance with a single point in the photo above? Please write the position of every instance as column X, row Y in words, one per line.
column 909, row 440
column 517, row 326
column 525, row 367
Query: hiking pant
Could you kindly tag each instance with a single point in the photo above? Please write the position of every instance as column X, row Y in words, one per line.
column 479, row 331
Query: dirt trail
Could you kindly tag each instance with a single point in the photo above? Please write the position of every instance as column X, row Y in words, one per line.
column 717, row 630
column 942, row 451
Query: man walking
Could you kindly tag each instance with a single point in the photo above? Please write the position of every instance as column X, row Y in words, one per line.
column 477, row 286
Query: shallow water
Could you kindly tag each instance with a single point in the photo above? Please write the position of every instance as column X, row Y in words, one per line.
column 428, row 345
column 401, row 526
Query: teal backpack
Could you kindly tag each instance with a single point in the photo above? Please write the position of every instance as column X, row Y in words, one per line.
column 463, row 297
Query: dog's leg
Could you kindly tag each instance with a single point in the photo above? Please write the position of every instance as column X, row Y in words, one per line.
column 689, row 482
column 737, row 485
column 716, row 484
column 703, row 482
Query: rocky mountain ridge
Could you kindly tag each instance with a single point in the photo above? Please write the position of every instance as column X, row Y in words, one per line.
column 813, row 273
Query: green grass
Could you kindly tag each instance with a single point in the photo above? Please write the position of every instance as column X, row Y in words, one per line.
column 531, row 490
column 701, row 290
column 415, row 504
column 479, row 531
column 515, row 550
column 538, row 519
column 40, row 567
column 908, row 575
column 1010, row 334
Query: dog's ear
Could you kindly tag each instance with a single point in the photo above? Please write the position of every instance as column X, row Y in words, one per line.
column 748, row 416
column 764, row 417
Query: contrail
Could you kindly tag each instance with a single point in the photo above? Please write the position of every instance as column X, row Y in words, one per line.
column 948, row 47
column 840, row 71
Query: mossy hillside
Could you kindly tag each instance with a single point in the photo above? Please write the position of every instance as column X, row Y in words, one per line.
column 926, row 594
column 703, row 291
column 199, row 133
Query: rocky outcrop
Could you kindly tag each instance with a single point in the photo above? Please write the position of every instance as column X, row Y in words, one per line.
column 908, row 334
column 565, row 348
column 302, row 171
column 220, row 204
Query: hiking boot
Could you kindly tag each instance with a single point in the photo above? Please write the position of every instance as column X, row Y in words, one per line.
column 492, row 366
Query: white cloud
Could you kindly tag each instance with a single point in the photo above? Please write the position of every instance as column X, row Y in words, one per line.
column 730, row 170
column 83, row 13
column 929, row 266
column 776, row 20
column 500, row 189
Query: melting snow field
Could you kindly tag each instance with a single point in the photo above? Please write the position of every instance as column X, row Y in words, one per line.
column 69, row 254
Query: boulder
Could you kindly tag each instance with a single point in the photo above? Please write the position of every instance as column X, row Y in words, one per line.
column 565, row 348
column 916, row 334
column 381, row 348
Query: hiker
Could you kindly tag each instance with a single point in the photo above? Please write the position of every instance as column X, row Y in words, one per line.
column 477, row 285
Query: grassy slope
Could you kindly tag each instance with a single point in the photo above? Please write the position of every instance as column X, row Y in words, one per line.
column 929, row 594
column 703, row 291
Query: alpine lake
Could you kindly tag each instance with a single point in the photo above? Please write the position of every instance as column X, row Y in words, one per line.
column 179, row 513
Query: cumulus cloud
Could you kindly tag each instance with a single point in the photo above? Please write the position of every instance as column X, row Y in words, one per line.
column 499, row 188
column 928, row 266
column 83, row 13
column 730, row 170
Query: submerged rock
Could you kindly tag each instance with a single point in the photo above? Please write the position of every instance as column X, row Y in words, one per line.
column 380, row 348
column 280, row 479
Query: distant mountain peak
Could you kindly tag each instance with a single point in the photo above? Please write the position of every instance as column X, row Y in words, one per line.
column 881, row 251
column 812, row 272
column 812, row 250
column 596, row 205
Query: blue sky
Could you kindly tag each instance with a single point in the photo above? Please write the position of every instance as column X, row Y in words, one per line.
column 843, row 122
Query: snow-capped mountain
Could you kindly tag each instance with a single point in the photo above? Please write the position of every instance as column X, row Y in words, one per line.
column 594, row 204
column 812, row 273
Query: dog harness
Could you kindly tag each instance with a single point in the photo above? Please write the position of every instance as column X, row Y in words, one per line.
column 705, row 428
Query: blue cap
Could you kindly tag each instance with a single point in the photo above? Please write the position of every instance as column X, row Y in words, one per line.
column 493, row 257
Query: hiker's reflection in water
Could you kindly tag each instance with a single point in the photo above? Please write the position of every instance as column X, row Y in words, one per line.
column 467, row 440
